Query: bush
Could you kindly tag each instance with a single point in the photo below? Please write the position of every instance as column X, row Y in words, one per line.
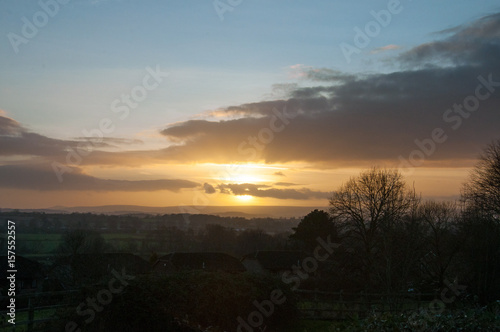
column 471, row 319
column 191, row 299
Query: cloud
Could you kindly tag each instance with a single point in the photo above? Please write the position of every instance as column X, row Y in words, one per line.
column 279, row 174
column 285, row 184
column 341, row 120
column 350, row 120
column 390, row 47
column 8, row 126
column 209, row 189
column 327, row 75
column 319, row 74
column 267, row 191
column 110, row 141
column 42, row 177
column 15, row 140
column 281, row 90
column 471, row 44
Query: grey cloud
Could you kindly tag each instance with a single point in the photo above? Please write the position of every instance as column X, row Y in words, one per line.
column 42, row 177
column 470, row 44
column 266, row 191
column 109, row 141
column 209, row 189
column 285, row 184
column 327, row 75
column 9, row 127
column 366, row 119
column 15, row 140
column 346, row 120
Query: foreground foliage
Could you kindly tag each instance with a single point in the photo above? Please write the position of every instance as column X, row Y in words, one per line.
column 191, row 301
column 485, row 318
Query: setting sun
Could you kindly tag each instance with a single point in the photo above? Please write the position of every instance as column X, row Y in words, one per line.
column 188, row 129
column 244, row 198
column 241, row 173
column 244, row 178
column 341, row 154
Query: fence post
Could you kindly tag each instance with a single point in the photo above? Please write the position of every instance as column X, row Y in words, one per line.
column 316, row 304
column 31, row 314
column 342, row 306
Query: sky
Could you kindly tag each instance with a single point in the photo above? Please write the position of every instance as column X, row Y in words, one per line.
column 240, row 102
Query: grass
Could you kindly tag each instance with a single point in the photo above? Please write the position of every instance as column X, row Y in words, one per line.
column 38, row 244
column 22, row 316
column 312, row 325
column 44, row 243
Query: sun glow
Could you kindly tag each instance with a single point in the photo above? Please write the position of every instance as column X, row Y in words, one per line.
column 242, row 173
column 244, row 198
column 244, row 178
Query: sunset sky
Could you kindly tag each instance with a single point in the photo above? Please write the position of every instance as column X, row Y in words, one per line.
column 252, row 102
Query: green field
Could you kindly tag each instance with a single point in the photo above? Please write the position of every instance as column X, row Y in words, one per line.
column 36, row 244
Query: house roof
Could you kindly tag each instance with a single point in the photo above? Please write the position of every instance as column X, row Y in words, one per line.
column 211, row 261
column 26, row 268
column 277, row 259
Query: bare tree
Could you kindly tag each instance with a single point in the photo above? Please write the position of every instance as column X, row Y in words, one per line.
column 373, row 200
column 367, row 207
column 75, row 243
column 442, row 242
column 482, row 192
column 481, row 224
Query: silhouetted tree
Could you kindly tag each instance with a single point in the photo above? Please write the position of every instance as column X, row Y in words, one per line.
column 253, row 240
column 481, row 225
column 316, row 224
column 442, row 242
column 482, row 191
column 481, row 255
column 219, row 238
column 75, row 243
column 368, row 207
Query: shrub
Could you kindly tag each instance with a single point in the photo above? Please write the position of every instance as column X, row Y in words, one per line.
column 194, row 299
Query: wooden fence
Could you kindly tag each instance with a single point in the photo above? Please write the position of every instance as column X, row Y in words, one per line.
column 320, row 305
column 312, row 305
column 36, row 303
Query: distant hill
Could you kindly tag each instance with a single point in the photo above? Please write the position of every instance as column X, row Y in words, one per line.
column 226, row 211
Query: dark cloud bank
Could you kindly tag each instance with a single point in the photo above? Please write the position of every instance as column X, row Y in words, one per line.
column 346, row 120
column 352, row 120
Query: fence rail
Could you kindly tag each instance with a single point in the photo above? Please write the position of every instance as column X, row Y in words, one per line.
column 36, row 302
column 321, row 305
column 313, row 304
